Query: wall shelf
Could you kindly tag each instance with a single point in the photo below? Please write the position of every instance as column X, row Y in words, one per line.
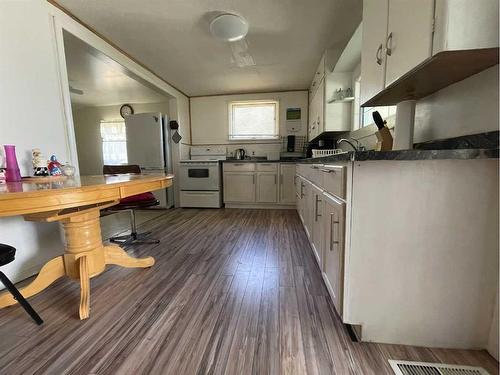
column 434, row 74
column 345, row 100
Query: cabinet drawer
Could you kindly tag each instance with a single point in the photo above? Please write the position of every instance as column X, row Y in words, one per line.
column 315, row 174
column 334, row 179
column 301, row 169
column 239, row 167
column 267, row 167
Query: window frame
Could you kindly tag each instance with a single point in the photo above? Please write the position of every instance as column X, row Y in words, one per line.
column 242, row 138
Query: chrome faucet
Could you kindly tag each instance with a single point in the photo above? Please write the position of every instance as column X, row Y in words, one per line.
column 357, row 147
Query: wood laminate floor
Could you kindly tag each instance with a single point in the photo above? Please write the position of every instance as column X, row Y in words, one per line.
column 232, row 292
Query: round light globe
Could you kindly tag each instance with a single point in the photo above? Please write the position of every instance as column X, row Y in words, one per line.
column 229, row 27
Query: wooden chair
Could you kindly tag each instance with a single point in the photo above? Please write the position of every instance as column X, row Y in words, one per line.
column 133, row 203
column 7, row 255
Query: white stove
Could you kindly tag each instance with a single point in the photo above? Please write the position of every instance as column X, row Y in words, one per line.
column 200, row 178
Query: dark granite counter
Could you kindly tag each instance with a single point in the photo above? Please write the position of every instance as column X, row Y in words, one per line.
column 461, row 154
column 264, row 160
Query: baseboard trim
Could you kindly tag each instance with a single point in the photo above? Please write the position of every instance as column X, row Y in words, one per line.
column 268, row 206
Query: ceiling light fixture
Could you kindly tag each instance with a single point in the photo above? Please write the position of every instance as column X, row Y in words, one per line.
column 229, row 27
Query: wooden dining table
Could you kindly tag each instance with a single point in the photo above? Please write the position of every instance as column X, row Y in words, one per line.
column 76, row 203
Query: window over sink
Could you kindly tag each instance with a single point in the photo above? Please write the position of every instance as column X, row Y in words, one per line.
column 253, row 120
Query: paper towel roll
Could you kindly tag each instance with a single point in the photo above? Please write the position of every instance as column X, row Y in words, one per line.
column 405, row 121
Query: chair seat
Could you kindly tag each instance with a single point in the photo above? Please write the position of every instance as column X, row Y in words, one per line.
column 7, row 254
column 138, row 201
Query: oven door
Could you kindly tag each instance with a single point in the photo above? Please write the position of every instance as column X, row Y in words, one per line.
column 199, row 176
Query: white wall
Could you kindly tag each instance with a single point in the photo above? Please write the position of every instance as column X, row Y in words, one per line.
column 493, row 337
column 88, row 132
column 210, row 120
column 466, row 107
column 34, row 102
column 32, row 116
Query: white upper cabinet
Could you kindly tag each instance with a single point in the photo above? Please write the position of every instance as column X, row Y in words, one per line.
column 401, row 35
column 375, row 14
column 465, row 24
column 409, row 36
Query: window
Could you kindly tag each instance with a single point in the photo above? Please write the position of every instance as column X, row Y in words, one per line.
column 256, row 119
column 387, row 113
column 114, row 142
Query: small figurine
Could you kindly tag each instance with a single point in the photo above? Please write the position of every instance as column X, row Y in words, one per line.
column 54, row 166
column 39, row 163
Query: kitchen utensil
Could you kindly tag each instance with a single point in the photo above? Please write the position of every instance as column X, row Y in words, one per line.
column 290, row 143
column 239, row 153
column 383, row 134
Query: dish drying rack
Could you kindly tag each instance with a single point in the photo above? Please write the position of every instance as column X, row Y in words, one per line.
column 328, row 152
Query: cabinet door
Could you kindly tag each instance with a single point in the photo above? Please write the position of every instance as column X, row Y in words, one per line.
column 267, row 187
column 333, row 263
column 312, row 116
column 307, row 211
column 409, row 39
column 317, row 224
column 320, row 109
column 239, row 187
column 373, row 48
column 287, row 183
column 300, row 185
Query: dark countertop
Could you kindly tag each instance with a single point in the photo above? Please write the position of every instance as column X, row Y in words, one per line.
column 263, row 160
column 460, row 154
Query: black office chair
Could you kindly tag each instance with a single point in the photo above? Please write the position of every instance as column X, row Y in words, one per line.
column 136, row 202
column 7, row 255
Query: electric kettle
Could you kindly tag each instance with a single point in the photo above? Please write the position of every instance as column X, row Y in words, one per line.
column 239, row 154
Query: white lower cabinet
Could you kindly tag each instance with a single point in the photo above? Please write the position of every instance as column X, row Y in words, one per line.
column 261, row 185
column 299, row 190
column 316, row 223
column 287, row 184
column 321, row 207
column 239, row 187
column 333, row 225
column 267, row 187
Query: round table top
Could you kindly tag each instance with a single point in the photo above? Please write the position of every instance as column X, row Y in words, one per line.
column 19, row 198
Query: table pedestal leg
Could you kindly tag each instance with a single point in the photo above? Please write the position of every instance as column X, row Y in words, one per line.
column 85, row 257
column 50, row 272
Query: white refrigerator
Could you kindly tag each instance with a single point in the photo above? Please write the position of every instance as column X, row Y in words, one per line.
column 148, row 145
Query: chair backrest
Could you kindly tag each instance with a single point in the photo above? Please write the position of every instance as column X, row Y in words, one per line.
column 121, row 169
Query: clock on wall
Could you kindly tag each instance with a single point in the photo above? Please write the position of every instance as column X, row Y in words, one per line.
column 126, row 110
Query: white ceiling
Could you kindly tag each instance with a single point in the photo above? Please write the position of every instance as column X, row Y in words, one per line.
column 171, row 37
column 102, row 80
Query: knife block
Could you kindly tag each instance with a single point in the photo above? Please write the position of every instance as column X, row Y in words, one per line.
column 384, row 138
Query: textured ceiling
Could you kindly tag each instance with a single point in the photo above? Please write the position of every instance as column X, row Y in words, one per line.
column 171, row 37
column 102, row 80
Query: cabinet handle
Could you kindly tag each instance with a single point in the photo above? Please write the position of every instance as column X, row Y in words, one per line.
column 332, row 231
column 316, row 215
column 238, row 164
column 275, row 179
column 315, row 167
column 327, row 170
column 378, row 55
column 388, row 44
column 302, row 190
column 253, row 179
